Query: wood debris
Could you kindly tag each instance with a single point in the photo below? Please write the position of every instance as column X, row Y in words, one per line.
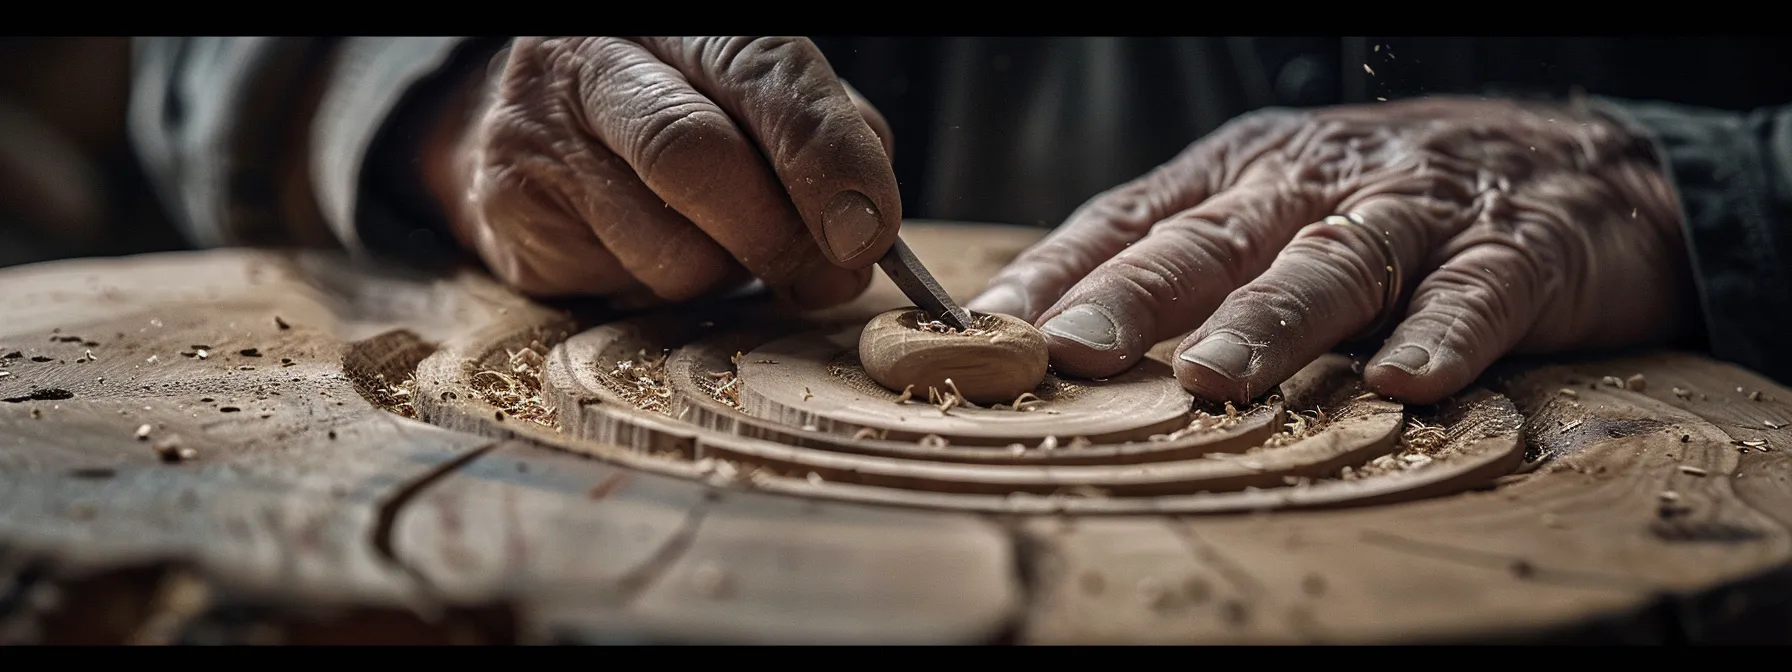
column 1571, row 394
column 1635, row 383
column 867, row 433
column 517, row 392
column 393, row 398
column 281, row 323
column 170, row 450
column 1024, row 402
column 143, row 432
column 933, row 441
column 1199, row 422
column 1420, row 445
column 1300, row 425
column 724, row 388
column 641, row 381
column 1612, row 381
column 908, row 392
column 1692, row 470
column 978, row 327
column 1683, row 393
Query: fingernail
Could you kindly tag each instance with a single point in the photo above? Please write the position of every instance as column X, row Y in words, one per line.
column 850, row 223
column 1084, row 324
column 1004, row 299
column 1409, row 358
column 1225, row 353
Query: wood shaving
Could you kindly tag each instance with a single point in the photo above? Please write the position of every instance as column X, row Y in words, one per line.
column 944, row 401
column 1612, row 381
column 933, row 441
column 1300, row 425
column 1682, row 393
column 1692, row 471
column 867, row 433
column 908, row 393
column 725, row 388
column 642, row 381
column 1199, row 421
column 517, row 392
column 1420, row 445
column 1635, row 383
column 170, row 450
column 978, row 327
column 392, row 398
column 1023, row 403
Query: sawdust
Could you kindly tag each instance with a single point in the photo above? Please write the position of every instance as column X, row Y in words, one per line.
column 641, row 380
column 1420, row 445
column 394, row 398
column 517, row 392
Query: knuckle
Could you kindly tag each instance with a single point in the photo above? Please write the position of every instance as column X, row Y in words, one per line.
column 679, row 134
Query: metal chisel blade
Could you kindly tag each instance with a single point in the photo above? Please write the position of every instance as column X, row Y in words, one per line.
column 919, row 286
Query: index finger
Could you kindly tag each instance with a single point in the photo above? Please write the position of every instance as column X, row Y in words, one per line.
column 785, row 95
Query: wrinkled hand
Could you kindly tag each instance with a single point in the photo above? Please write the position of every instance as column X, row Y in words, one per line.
column 1517, row 228
column 664, row 169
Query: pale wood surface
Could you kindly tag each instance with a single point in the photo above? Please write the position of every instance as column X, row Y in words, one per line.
column 308, row 514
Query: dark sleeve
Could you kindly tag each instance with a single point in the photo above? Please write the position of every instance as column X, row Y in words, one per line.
column 1733, row 171
column 293, row 141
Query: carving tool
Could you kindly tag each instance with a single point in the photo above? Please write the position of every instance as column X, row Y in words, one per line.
column 919, row 286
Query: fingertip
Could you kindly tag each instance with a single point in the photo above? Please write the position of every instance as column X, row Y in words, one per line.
column 1086, row 341
column 1413, row 374
column 1215, row 367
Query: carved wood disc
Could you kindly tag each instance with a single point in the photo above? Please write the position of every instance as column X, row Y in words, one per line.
column 814, row 381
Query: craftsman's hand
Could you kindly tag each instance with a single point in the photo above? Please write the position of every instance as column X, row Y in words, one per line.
column 664, row 169
column 1513, row 228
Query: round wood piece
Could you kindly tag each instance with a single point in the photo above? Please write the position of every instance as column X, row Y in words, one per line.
column 994, row 361
column 814, row 380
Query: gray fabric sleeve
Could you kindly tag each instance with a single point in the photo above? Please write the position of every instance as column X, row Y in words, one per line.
column 206, row 119
column 212, row 120
column 1733, row 172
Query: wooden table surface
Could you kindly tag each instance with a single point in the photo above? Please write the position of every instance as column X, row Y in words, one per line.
column 1654, row 510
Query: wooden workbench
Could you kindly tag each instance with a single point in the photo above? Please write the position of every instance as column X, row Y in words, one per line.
column 206, row 447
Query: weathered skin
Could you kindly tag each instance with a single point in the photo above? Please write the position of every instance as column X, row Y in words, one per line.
column 1519, row 228
column 665, row 169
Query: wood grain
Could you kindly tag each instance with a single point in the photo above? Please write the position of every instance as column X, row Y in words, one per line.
column 310, row 515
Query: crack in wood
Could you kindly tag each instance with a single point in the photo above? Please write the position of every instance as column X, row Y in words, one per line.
column 386, row 515
column 634, row 583
column 1028, row 556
